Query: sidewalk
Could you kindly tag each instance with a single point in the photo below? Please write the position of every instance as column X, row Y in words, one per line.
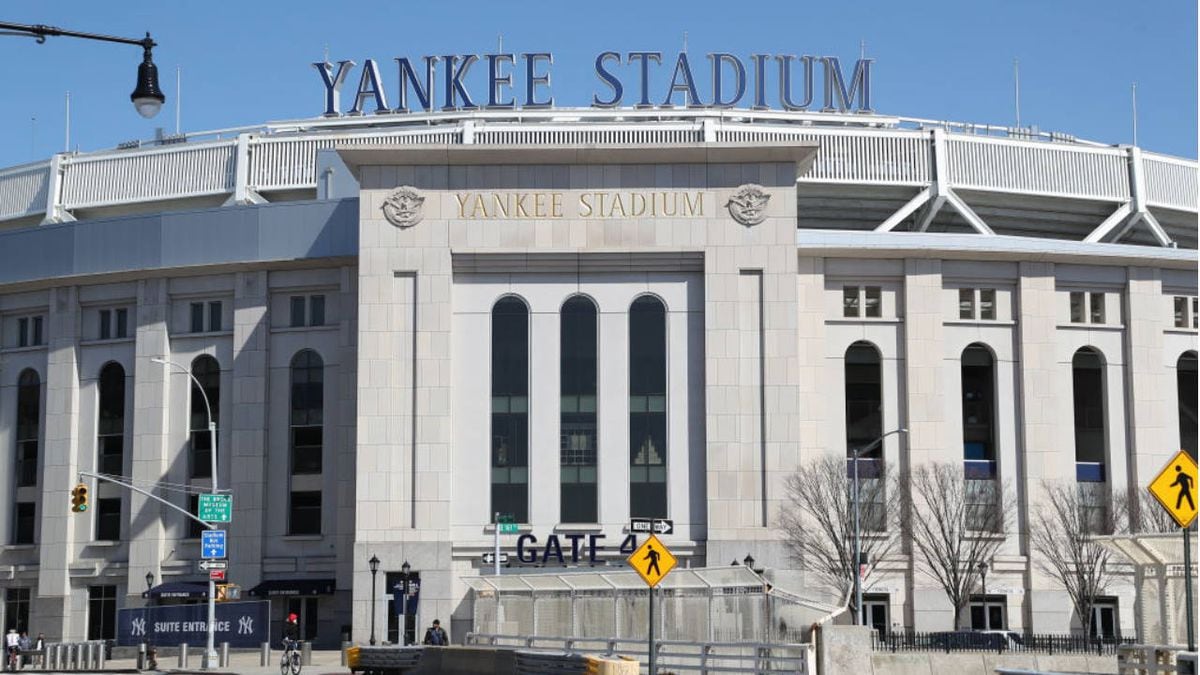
column 324, row 662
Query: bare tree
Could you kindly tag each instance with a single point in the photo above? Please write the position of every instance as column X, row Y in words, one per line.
column 1151, row 517
column 817, row 519
column 953, row 526
column 1061, row 532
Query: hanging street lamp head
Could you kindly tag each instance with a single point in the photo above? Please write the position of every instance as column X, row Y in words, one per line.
column 147, row 97
column 374, row 563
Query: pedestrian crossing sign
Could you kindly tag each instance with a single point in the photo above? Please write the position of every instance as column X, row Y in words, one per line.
column 652, row 561
column 1175, row 488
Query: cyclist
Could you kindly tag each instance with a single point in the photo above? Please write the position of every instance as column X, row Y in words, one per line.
column 290, row 662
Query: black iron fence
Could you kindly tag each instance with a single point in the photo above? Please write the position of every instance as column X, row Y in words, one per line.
column 996, row 641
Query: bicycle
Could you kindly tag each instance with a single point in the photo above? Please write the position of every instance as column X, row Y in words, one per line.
column 289, row 662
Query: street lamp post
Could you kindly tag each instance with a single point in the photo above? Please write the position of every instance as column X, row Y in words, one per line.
column 404, row 570
column 983, row 568
column 210, row 652
column 856, row 567
column 147, row 98
column 374, row 563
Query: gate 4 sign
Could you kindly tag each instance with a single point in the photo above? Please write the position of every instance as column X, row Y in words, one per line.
column 1175, row 488
column 652, row 561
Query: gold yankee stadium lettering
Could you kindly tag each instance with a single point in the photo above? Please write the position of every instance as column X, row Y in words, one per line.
column 589, row 205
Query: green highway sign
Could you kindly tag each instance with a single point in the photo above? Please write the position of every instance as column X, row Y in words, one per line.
column 215, row 508
column 505, row 524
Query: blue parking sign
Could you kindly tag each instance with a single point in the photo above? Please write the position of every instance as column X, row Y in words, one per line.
column 212, row 544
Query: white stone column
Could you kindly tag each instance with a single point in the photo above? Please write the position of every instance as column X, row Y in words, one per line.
column 60, row 465
column 150, row 422
column 246, row 454
column 1151, row 392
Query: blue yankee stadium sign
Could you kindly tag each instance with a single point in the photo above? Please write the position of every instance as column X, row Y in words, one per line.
column 445, row 82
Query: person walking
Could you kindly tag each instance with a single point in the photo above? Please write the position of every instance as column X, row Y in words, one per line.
column 436, row 636
column 12, row 644
column 24, row 645
column 39, row 649
column 1184, row 482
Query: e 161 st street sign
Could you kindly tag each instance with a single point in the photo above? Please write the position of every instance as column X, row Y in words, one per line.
column 215, row 508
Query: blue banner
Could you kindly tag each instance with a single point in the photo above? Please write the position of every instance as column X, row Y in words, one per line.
column 241, row 624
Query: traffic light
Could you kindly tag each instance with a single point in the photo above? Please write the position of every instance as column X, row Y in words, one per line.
column 79, row 498
column 222, row 593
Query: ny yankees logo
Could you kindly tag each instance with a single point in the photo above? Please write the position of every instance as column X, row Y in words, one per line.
column 245, row 625
column 139, row 627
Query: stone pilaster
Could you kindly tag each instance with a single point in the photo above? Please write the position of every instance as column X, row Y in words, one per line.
column 246, row 453
column 145, row 533
column 60, row 466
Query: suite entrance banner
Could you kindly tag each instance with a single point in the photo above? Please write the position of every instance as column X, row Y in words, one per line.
column 1175, row 488
column 241, row 624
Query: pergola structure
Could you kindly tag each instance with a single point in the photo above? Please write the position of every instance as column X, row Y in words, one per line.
column 1159, row 576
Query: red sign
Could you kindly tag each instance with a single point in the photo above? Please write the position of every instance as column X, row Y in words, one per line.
column 216, row 575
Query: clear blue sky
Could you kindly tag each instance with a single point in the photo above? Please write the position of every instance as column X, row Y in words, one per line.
column 249, row 62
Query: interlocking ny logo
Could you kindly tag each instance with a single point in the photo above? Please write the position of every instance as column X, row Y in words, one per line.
column 246, row 625
column 139, row 627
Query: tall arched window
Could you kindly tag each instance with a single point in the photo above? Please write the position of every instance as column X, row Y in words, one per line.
column 864, row 399
column 1185, row 378
column 978, row 410
column 208, row 372
column 29, row 423
column 510, row 410
column 307, row 411
column 1087, row 374
column 110, row 428
column 577, row 421
column 648, row 408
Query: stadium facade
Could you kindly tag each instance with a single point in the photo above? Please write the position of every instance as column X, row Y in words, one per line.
column 411, row 322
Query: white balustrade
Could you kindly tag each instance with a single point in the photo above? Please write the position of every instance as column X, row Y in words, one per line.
column 23, row 190
column 289, row 162
column 1170, row 182
column 169, row 172
column 1049, row 169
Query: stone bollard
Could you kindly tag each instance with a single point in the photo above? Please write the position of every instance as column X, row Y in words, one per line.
column 80, row 655
column 264, row 656
column 224, row 654
column 183, row 655
column 345, row 646
column 101, row 655
column 306, row 653
column 52, row 655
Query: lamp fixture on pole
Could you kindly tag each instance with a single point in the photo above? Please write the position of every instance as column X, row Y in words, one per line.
column 856, row 566
column 147, row 97
column 405, row 569
column 374, row 563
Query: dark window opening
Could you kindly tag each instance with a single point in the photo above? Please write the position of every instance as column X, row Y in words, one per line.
column 864, row 398
column 304, row 515
column 214, row 316
column 297, row 313
column 1087, row 370
column 197, row 316
column 207, row 371
column 16, row 609
column 102, row 613
column 578, row 433
column 307, row 412
column 108, row 519
column 1185, row 376
column 23, row 522
column 316, row 310
column 122, row 327
column 194, row 528
column 105, row 324
column 111, row 424
column 23, row 332
column 510, row 410
column 648, row 408
column 29, row 421
column 978, row 410
column 989, row 612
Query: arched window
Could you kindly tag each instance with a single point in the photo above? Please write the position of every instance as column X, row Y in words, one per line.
column 208, row 372
column 978, row 410
column 307, row 412
column 1087, row 374
column 577, row 421
column 307, row 426
column 1185, row 378
column 864, row 399
column 110, row 427
column 29, row 423
column 510, row 410
column 648, row 408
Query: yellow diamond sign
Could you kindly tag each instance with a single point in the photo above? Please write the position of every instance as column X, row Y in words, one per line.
column 1175, row 488
column 652, row 560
